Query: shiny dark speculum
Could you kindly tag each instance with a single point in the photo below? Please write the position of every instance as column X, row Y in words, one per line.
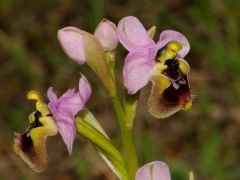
column 178, row 91
column 26, row 140
column 36, row 122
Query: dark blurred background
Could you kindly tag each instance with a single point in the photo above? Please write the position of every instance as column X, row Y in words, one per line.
column 205, row 139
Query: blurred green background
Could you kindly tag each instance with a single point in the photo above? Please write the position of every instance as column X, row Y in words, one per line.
column 205, row 139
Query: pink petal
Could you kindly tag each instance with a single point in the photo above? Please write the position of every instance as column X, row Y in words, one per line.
column 51, row 94
column 133, row 35
column 71, row 41
column 170, row 35
column 71, row 102
column 136, row 71
column 69, row 93
column 85, row 90
column 67, row 129
column 156, row 170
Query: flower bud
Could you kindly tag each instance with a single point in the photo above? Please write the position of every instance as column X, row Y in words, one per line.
column 96, row 59
column 106, row 33
column 71, row 40
column 156, row 170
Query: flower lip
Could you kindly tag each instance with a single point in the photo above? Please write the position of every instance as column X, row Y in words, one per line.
column 170, row 89
column 31, row 145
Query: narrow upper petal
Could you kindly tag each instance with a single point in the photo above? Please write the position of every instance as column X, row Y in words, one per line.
column 85, row 90
column 136, row 71
column 133, row 35
column 71, row 40
column 170, row 35
column 67, row 129
column 156, row 170
column 51, row 94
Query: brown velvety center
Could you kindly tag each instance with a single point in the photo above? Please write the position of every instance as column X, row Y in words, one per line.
column 178, row 91
column 26, row 140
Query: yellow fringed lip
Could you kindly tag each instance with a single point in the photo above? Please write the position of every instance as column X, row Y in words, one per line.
column 31, row 145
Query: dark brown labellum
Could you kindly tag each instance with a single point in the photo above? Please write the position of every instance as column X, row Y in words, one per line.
column 170, row 91
column 178, row 91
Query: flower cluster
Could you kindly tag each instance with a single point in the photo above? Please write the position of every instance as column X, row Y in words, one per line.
column 160, row 63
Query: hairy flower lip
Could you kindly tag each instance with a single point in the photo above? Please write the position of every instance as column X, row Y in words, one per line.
column 170, row 89
column 19, row 138
column 31, row 145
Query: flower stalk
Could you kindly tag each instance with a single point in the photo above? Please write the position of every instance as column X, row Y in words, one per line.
column 130, row 154
column 104, row 144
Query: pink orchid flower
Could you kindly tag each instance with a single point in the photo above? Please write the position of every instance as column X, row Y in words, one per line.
column 170, row 91
column 66, row 107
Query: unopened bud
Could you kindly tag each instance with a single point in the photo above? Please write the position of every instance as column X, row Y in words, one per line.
column 106, row 33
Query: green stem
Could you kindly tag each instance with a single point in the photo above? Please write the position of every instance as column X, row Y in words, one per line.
column 130, row 105
column 104, row 144
column 127, row 139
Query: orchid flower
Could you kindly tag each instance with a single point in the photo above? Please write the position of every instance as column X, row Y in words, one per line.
column 47, row 120
column 156, row 170
column 66, row 107
column 160, row 62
